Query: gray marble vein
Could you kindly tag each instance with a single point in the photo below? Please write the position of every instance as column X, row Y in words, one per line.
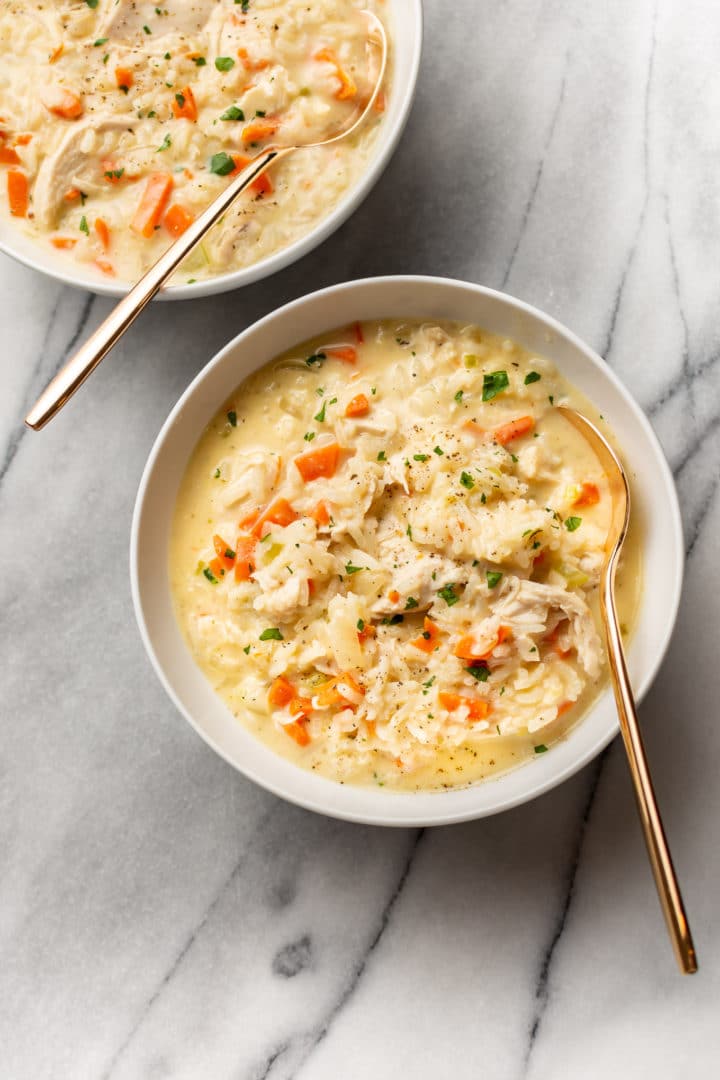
column 162, row 917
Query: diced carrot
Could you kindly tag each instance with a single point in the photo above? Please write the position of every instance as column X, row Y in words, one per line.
column 359, row 336
column 177, row 219
column 124, row 78
column 244, row 557
column 514, row 429
column 564, row 707
column 56, row 53
column 103, row 231
column 249, row 64
column 589, row 495
column 217, row 567
column 367, row 631
column 393, row 596
column 347, row 353
column 249, row 520
column 24, row 139
column 17, row 189
column 359, row 406
column 380, row 102
column 8, row 156
column 184, row 106
column 263, row 185
column 477, row 708
column 317, row 463
column 297, row 731
column 258, row 129
column 62, row 102
column 474, row 428
column 105, row 266
column 428, row 639
column 279, row 512
column 72, row 194
column 321, row 514
column 347, row 88
column 63, row 243
column 224, row 552
column 330, row 692
column 371, row 727
column 153, row 202
column 468, row 649
column 281, row 692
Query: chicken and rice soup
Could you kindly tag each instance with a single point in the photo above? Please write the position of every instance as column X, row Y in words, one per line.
column 386, row 551
column 120, row 120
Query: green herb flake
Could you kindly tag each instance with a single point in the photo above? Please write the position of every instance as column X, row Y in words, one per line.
column 494, row 577
column 408, row 532
column 493, row 384
column 573, row 523
column 221, row 164
column 232, row 418
column 271, row 634
column 100, row 41
column 411, row 602
column 438, row 451
column 224, row 63
column 246, row 650
column 381, row 456
column 531, row 377
column 350, row 569
column 210, row 576
column 164, row 145
column 360, row 625
column 309, row 436
column 459, row 396
column 420, row 457
column 84, row 225
column 479, row 672
column 466, row 480
column 316, row 360
column 541, row 749
column 199, row 61
column 448, row 595
column 320, row 417
column 233, row 113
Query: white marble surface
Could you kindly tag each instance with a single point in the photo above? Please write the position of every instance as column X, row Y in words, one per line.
column 161, row 916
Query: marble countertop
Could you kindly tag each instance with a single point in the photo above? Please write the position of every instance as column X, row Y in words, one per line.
column 163, row 917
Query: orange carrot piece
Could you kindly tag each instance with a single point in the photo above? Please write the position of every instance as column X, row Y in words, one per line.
column 8, row 156
column 346, row 353
column 474, row 428
column 564, row 707
column 477, row 708
column 224, row 552
column 258, row 129
column 380, row 102
column 297, row 731
column 24, row 139
column 393, row 596
column 317, row 463
column 279, row 512
column 514, row 429
column 184, row 105
column 177, row 219
column 468, row 649
column 263, row 185
column 217, row 568
column 124, row 78
column 63, row 243
column 249, row 64
column 103, row 231
column 249, row 520
column 17, row 189
column 321, row 514
column 244, row 557
column 589, row 495
column 105, row 266
column 359, row 406
column 62, row 102
column 347, row 88
column 281, row 692
column 71, row 194
column 428, row 639
column 153, row 202
column 359, row 336
column 56, row 53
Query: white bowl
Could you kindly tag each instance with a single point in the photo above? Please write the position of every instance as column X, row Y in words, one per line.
column 654, row 505
column 405, row 27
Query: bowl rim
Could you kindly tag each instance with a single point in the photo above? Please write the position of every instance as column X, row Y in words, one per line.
column 390, row 136
column 533, row 789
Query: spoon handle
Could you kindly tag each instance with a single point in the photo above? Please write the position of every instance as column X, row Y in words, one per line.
column 660, row 859
column 123, row 315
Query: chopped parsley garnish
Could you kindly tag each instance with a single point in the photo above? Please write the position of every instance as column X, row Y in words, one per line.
column 165, row 144
column 320, row 417
column 410, row 603
column 381, row 456
column 210, row 576
column 100, row 41
column 114, row 174
column 551, row 399
column 271, row 634
column 448, row 594
column 92, row 4
column 466, row 480
column 541, row 749
column 494, row 383
column 229, row 553
column 147, row 29
column 459, row 396
column 420, row 457
column 479, row 672
column 494, row 577
column 408, row 531
column 246, row 650
column 531, row 377
column 84, row 225
column 216, row 474
column 199, row 61
column 573, row 523
column 224, row 63
column 309, row 436
column 316, row 359
column 360, row 625
column 430, row 681
column 483, row 498
column 221, row 164
column 438, row 451
column 232, row 418
column 350, row 569
column 394, row 620
column 233, row 113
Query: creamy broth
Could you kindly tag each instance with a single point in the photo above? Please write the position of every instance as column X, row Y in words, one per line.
column 121, row 121
column 458, row 542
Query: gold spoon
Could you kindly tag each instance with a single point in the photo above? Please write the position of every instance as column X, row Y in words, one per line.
column 89, row 355
column 660, row 860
